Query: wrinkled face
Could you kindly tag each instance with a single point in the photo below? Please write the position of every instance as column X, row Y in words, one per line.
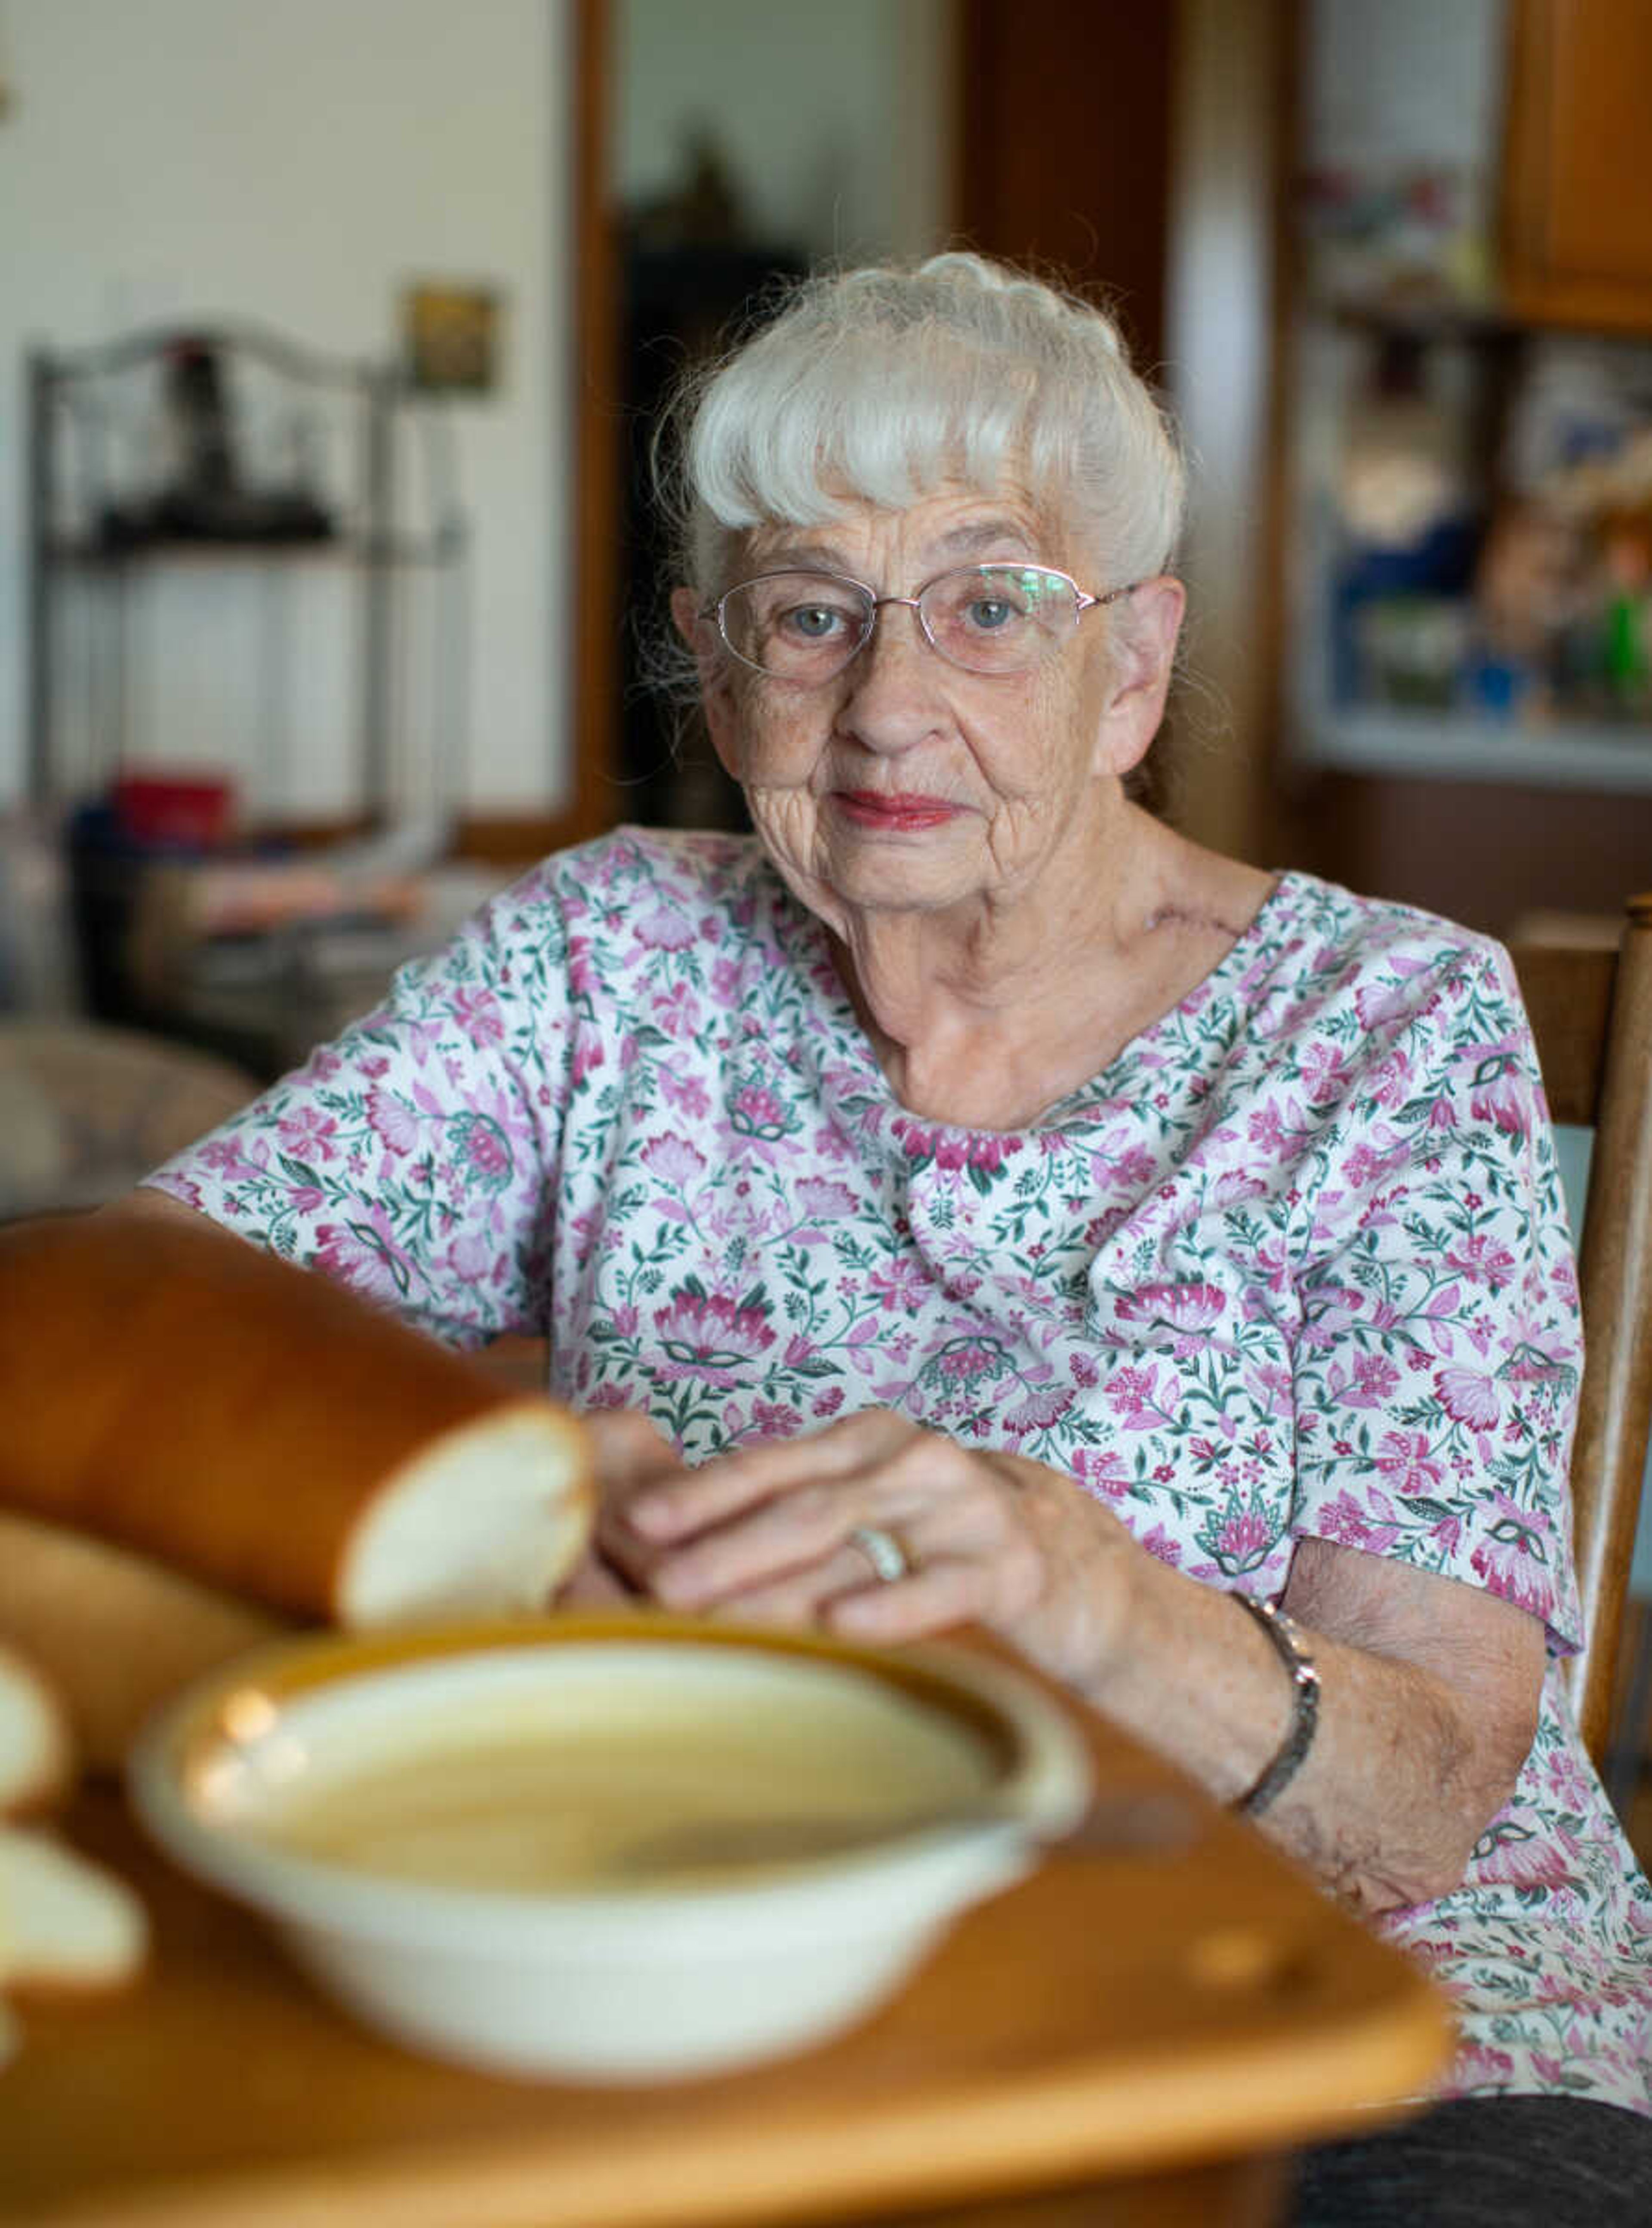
column 906, row 782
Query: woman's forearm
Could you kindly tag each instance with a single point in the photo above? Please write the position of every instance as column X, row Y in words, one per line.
column 1407, row 1764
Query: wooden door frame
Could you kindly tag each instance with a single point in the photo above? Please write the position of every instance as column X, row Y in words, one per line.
column 596, row 425
column 593, row 432
column 1209, row 35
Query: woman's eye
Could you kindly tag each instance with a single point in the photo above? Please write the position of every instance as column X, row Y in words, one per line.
column 989, row 614
column 811, row 622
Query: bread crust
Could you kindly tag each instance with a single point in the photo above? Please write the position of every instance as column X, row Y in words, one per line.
column 113, row 1633
column 36, row 1747
column 173, row 1389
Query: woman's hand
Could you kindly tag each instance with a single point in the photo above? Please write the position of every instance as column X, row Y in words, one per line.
column 765, row 1535
column 629, row 1455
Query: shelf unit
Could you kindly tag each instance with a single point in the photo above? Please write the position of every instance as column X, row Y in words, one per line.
column 82, row 475
column 1433, row 225
column 1562, row 754
column 1329, row 728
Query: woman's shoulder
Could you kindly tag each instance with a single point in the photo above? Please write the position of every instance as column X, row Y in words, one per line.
column 1364, row 926
column 680, row 867
column 1317, row 944
column 654, row 889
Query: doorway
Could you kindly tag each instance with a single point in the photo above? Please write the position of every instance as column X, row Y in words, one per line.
column 934, row 127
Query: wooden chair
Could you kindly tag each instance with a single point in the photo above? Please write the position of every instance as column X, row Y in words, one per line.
column 1591, row 1017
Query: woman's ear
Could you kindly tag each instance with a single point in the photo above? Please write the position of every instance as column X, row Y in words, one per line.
column 716, row 691
column 1141, row 658
column 690, row 621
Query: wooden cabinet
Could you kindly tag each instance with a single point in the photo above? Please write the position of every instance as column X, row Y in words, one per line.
column 1577, row 181
column 1466, row 414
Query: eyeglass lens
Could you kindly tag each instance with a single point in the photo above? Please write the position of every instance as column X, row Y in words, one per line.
column 988, row 618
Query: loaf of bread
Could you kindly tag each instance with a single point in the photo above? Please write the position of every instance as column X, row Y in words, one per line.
column 174, row 1390
column 113, row 1633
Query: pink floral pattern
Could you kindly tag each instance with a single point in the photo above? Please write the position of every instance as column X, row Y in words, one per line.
column 1294, row 1264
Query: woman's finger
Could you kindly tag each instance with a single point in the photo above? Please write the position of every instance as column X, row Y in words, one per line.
column 941, row 1500
column 729, row 1484
column 908, row 1478
column 594, row 1584
column 949, row 1591
column 798, row 1598
column 629, row 1451
column 842, row 1593
column 779, row 1539
column 630, row 1456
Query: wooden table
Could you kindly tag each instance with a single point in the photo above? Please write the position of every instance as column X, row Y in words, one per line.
column 1159, row 2022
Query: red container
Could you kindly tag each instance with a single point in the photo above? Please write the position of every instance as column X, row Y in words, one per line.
column 197, row 809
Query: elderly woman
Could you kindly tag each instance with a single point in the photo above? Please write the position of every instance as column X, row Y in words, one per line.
column 979, row 1202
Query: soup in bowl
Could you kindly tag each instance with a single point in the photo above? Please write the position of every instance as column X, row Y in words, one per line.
column 609, row 1847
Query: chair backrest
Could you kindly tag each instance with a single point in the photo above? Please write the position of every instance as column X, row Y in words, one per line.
column 1592, row 1018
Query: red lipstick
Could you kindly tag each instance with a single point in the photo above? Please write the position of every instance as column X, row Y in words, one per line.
column 903, row 812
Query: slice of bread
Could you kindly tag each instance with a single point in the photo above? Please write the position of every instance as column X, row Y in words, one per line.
column 176, row 1391
column 64, row 1924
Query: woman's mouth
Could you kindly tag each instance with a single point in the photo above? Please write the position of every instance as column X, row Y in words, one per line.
column 902, row 812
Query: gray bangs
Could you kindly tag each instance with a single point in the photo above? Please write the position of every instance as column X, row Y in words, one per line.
column 863, row 421
column 881, row 385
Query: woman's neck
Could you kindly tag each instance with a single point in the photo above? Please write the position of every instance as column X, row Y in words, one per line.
column 985, row 1020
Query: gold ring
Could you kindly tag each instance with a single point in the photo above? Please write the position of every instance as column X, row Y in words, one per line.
column 886, row 1552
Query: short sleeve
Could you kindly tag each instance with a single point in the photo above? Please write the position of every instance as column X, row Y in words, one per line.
column 414, row 1157
column 1440, row 1351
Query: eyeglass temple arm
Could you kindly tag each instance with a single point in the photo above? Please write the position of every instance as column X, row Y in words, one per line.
column 1113, row 595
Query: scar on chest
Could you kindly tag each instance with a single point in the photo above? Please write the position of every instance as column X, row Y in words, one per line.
column 1180, row 917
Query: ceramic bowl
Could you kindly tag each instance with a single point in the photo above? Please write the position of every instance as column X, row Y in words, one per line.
column 609, row 1848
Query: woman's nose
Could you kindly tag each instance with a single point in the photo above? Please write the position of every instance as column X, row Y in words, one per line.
column 895, row 693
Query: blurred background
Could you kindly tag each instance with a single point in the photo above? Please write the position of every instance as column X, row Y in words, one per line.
column 330, row 337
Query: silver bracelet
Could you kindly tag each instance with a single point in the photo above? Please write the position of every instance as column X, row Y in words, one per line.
column 1288, row 1638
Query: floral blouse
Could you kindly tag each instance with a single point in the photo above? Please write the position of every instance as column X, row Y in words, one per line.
column 1294, row 1263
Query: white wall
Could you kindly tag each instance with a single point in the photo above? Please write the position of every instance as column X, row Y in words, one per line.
column 834, row 121
column 175, row 160
column 1404, row 83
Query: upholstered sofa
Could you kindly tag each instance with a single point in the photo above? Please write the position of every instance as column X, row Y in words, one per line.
column 87, row 1109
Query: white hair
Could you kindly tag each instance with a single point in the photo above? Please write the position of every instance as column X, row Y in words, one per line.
column 885, row 382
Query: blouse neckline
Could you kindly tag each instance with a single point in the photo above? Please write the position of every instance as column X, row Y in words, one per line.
column 807, row 942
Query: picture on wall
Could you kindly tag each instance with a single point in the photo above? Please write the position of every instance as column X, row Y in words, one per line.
column 451, row 337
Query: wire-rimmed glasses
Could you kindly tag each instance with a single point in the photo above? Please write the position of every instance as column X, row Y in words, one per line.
column 805, row 626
